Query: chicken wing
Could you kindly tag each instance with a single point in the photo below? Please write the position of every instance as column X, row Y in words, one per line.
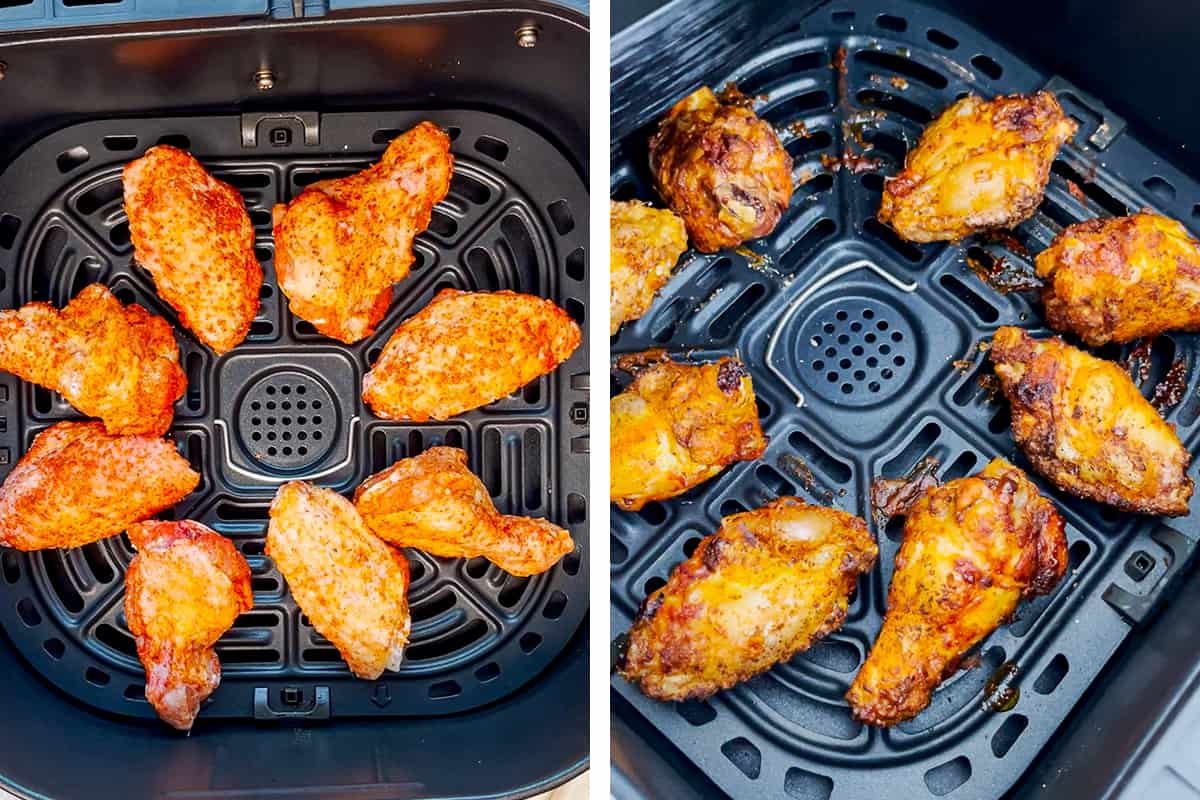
column 722, row 169
column 982, row 164
column 350, row 585
column 118, row 363
column 183, row 589
column 342, row 243
column 677, row 425
column 434, row 503
column 78, row 484
column 1116, row 280
column 192, row 234
column 1083, row 424
column 972, row 550
column 644, row 245
column 766, row 586
column 465, row 350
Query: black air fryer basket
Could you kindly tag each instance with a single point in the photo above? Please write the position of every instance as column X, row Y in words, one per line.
column 491, row 697
column 864, row 350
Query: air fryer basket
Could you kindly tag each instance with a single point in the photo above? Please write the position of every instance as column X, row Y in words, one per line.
column 865, row 353
column 489, row 652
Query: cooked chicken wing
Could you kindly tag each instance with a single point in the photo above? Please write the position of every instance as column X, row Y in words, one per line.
column 183, row 589
column 677, row 425
column 434, row 503
column 644, row 245
column 722, row 169
column 351, row 585
column 465, row 350
column 78, row 484
column 118, row 363
column 342, row 243
column 1084, row 425
column 1116, row 280
column 982, row 164
column 972, row 550
column 766, row 586
column 192, row 234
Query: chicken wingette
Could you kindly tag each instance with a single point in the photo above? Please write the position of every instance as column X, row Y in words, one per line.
column 972, row 550
column 677, row 425
column 766, row 586
column 1083, row 424
column 982, row 164
column 1119, row 279
column 722, row 169
column 644, row 245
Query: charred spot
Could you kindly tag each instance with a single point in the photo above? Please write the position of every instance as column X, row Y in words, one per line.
column 730, row 374
column 650, row 606
column 620, row 652
column 712, row 555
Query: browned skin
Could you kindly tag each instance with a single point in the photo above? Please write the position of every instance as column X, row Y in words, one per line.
column 78, row 484
column 982, row 164
column 1084, row 425
column 677, row 425
column 118, row 363
column 192, row 233
column 465, row 350
column 433, row 502
column 341, row 244
column 1116, row 280
column 644, row 245
column 973, row 549
column 722, row 169
column 183, row 589
column 766, row 586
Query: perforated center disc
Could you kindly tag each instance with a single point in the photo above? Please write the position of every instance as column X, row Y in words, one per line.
column 287, row 420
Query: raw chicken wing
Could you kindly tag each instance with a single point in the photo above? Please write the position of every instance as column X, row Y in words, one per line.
column 644, row 245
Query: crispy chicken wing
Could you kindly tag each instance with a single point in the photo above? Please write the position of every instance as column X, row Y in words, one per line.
column 78, row 484
column 677, row 425
column 192, row 234
column 350, row 585
column 118, row 363
column 972, row 550
column 766, row 586
column 982, row 164
column 342, row 243
column 183, row 589
column 434, row 503
column 465, row 350
column 722, row 169
column 644, row 245
column 1083, row 424
column 1116, row 280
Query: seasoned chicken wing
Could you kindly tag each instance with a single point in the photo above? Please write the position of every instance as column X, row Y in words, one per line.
column 722, row 169
column 644, row 245
column 350, row 585
column 465, row 350
column 1116, row 280
column 183, row 589
column 118, row 363
column 972, row 550
column 677, row 425
column 982, row 164
column 78, row 484
column 1083, row 424
column 341, row 244
column 433, row 502
column 766, row 586
column 192, row 234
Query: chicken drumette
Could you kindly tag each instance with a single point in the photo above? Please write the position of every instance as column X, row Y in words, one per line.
column 677, row 425
column 1083, row 424
column 972, row 550
column 434, row 503
column 644, row 245
column 184, row 588
column 982, row 164
column 1116, row 280
column 767, row 585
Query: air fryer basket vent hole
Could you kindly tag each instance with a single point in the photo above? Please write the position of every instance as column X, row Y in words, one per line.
column 530, row 642
column 444, row 689
column 1052, row 675
column 653, row 585
column 120, row 144
column 561, row 217
column 902, row 66
column 891, row 23
column 176, row 140
column 10, row 226
column 555, row 605
column 842, row 17
column 488, row 672
column 804, row 785
column 492, row 147
column 618, row 553
column 743, row 755
column 987, row 66
column 97, row 677
column 1160, row 189
column 696, row 712
column 945, row 778
column 10, row 566
column 54, row 648
column 28, row 612
column 1008, row 733
column 70, row 159
column 943, row 40
column 881, row 232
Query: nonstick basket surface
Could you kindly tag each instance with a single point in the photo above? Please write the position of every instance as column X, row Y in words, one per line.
column 865, row 354
column 285, row 405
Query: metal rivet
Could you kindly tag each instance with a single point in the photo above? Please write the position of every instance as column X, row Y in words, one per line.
column 527, row 35
column 264, row 79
